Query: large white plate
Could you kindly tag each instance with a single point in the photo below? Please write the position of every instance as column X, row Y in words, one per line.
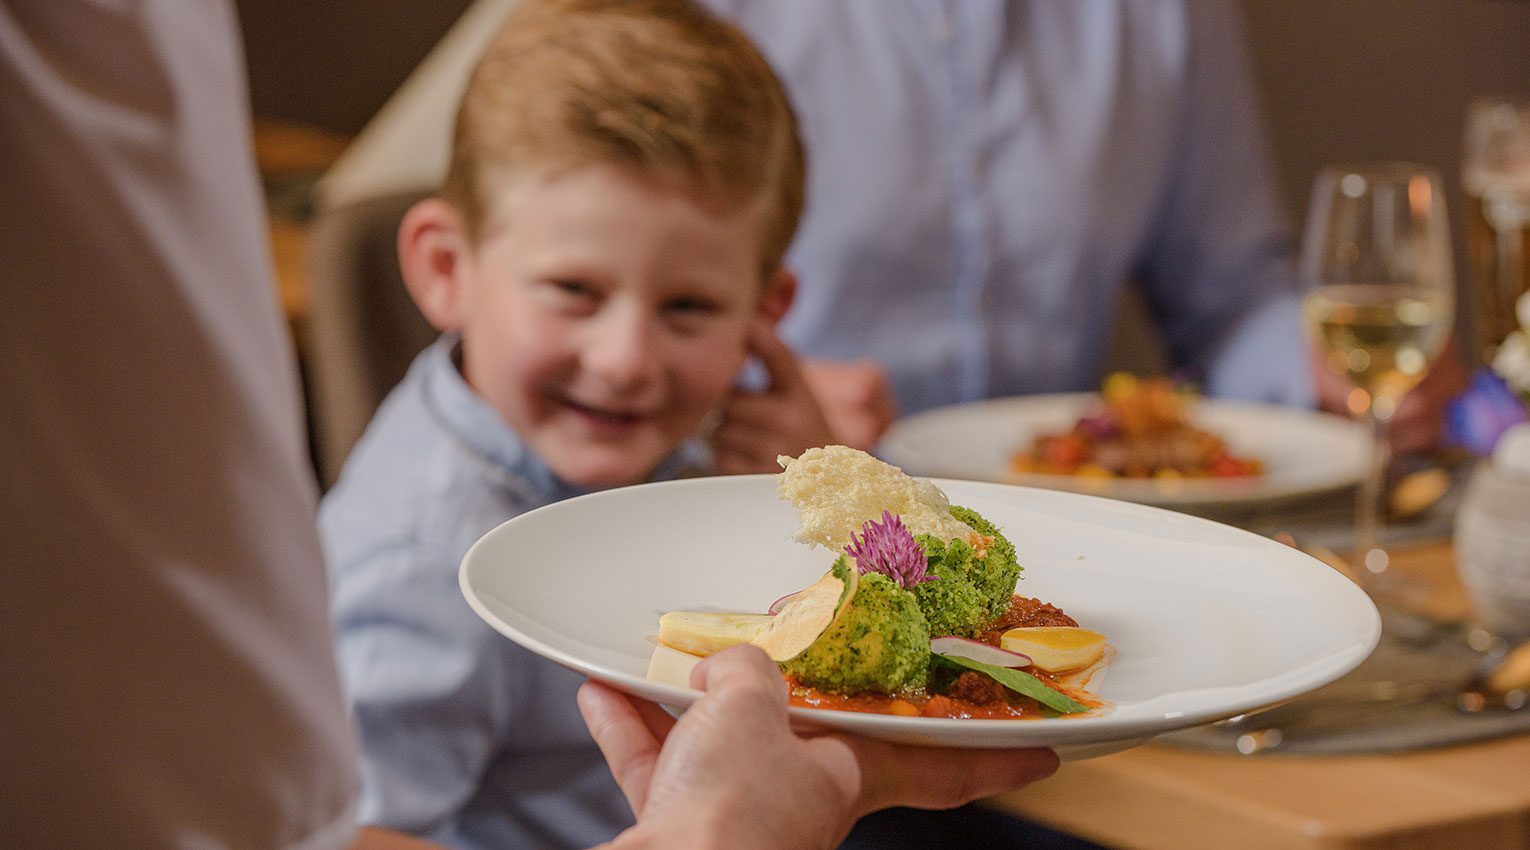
column 1303, row 452
column 1207, row 621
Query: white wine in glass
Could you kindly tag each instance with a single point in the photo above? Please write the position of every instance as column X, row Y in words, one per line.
column 1382, row 337
column 1381, row 300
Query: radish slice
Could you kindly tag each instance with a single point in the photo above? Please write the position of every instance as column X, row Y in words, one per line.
column 978, row 651
column 776, row 606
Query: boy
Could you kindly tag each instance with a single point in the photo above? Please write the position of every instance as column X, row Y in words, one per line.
column 604, row 255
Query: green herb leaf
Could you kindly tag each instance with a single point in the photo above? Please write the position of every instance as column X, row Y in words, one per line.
column 1020, row 682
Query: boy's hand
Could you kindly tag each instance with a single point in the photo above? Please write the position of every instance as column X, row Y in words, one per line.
column 784, row 419
column 856, row 398
column 732, row 772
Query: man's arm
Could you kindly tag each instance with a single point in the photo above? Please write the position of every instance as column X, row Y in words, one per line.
column 165, row 620
column 1218, row 266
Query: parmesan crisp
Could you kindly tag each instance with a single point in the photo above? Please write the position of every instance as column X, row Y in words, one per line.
column 836, row 489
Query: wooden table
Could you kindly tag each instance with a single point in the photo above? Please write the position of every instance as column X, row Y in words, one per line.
column 1474, row 797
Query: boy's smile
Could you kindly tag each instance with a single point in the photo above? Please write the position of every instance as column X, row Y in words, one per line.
column 603, row 315
column 607, row 422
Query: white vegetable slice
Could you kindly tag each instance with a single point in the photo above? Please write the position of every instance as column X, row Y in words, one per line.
column 706, row 632
column 978, row 651
column 671, row 666
column 807, row 614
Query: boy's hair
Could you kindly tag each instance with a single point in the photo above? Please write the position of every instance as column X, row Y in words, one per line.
column 660, row 86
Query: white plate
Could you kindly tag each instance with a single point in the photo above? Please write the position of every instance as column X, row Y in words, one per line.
column 1207, row 621
column 1303, row 452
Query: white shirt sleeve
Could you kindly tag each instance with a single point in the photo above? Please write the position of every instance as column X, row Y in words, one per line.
column 166, row 645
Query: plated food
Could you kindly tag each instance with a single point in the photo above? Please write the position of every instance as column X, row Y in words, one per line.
column 1302, row 452
column 1139, row 428
column 1211, row 621
column 915, row 616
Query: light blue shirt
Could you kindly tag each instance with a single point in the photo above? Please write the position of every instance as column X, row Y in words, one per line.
column 466, row 738
column 986, row 175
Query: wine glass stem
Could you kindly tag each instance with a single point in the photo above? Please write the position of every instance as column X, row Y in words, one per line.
column 1368, row 552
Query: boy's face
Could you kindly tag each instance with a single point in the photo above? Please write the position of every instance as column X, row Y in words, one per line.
column 604, row 315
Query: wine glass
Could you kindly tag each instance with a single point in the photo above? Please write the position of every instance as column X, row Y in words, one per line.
column 1495, row 171
column 1381, row 301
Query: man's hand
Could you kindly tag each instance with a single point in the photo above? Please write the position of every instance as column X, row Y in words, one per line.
column 732, row 773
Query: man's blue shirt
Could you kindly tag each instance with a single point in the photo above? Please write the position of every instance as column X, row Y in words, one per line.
column 985, row 176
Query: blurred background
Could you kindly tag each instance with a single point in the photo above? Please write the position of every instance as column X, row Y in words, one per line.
column 1345, row 80
column 1410, row 66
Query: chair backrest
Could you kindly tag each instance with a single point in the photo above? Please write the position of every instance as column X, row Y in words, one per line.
column 362, row 329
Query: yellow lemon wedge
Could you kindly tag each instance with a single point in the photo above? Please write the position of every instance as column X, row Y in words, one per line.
column 706, row 632
column 1055, row 648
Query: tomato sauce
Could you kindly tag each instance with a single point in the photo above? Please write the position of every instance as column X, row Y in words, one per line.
column 971, row 695
column 1013, row 707
column 1024, row 612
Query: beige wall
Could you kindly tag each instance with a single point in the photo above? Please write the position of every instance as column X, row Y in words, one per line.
column 1383, row 79
column 1380, row 79
column 332, row 63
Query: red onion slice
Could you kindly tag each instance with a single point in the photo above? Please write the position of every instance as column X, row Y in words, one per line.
column 776, row 606
column 978, row 651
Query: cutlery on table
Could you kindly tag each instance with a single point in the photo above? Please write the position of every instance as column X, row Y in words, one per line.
column 1499, row 682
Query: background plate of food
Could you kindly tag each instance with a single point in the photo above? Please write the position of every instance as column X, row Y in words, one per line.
column 1203, row 621
column 1139, row 440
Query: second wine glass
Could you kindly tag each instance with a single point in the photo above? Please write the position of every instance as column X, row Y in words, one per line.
column 1377, row 259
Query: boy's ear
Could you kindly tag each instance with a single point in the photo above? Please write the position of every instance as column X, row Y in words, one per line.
column 433, row 253
column 779, row 294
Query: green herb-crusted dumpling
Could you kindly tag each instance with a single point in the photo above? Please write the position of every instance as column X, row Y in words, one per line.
column 952, row 606
column 879, row 643
column 994, row 572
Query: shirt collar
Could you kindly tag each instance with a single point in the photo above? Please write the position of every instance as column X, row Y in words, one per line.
column 465, row 414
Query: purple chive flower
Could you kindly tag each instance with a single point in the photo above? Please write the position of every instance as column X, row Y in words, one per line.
column 1476, row 418
column 889, row 548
